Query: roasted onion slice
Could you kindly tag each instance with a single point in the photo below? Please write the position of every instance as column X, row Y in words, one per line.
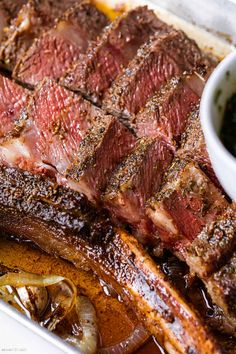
column 84, row 337
column 53, row 302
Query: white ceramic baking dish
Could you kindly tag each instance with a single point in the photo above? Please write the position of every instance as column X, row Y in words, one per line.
column 212, row 24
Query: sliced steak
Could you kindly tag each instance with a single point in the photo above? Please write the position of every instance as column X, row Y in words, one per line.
column 213, row 246
column 94, row 74
column 12, row 100
column 187, row 202
column 49, row 133
column 8, row 10
column 192, row 218
column 193, row 146
column 50, row 129
column 134, row 181
column 163, row 57
column 55, row 51
column 107, row 142
column 167, row 111
column 34, row 17
column 64, row 224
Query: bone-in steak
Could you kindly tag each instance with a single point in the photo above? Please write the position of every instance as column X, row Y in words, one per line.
column 63, row 223
column 64, row 135
column 55, row 51
column 163, row 57
column 94, row 74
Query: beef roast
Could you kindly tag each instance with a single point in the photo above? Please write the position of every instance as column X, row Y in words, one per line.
column 12, row 100
column 187, row 201
column 55, row 51
column 107, row 142
column 137, row 177
column 94, row 74
column 33, row 18
column 163, row 57
column 64, row 224
column 167, row 111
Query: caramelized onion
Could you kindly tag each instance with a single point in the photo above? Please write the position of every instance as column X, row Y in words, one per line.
column 28, row 279
column 128, row 345
column 53, row 302
column 87, row 342
column 46, row 299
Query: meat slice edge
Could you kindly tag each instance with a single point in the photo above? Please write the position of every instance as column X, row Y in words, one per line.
column 13, row 99
column 104, row 146
column 187, row 201
column 165, row 56
column 137, row 177
column 168, row 110
column 55, row 51
column 94, row 73
column 34, row 17
column 214, row 245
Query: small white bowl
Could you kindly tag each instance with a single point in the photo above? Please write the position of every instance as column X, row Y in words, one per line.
column 219, row 88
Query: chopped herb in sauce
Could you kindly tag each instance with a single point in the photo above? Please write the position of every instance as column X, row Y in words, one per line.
column 228, row 131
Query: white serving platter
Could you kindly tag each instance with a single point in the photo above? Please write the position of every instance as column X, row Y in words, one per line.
column 212, row 24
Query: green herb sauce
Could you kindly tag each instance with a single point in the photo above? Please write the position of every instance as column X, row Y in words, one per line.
column 228, row 131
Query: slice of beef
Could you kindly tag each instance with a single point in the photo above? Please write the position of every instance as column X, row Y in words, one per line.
column 167, row 111
column 107, row 142
column 187, row 201
column 193, row 146
column 163, row 57
column 134, row 181
column 33, row 19
column 222, row 287
column 94, row 74
column 8, row 10
column 12, row 100
column 214, row 245
column 64, row 224
column 50, row 129
column 55, row 51
column 49, row 133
